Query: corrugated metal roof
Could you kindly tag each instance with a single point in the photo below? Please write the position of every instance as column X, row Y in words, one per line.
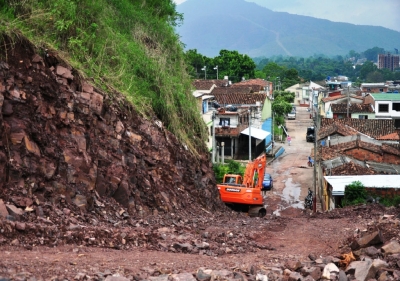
column 386, row 97
column 256, row 133
column 339, row 183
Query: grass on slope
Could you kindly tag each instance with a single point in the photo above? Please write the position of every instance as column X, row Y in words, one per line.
column 127, row 45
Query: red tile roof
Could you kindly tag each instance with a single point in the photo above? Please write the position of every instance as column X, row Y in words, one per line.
column 374, row 128
column 238, row 98
column 257, row 85
column 207, row 84
column 333, row 98
column 353, row 108
column 392, row 136
column 231, row 90
column 338, row 128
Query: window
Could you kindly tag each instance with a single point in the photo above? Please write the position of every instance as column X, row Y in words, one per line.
column 383, row 107
column 362, row 116
column 225, row 122
column 369, row 89
column 396, row 106
column 381, row 90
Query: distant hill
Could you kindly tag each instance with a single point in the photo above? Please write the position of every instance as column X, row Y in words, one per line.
column 212, row 25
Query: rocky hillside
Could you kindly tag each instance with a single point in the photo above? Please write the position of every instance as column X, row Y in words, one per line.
column 65, row 141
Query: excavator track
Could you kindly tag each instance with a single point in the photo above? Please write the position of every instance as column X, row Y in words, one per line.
column 257, row 211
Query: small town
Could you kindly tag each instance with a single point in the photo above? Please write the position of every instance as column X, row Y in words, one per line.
column 199, row 140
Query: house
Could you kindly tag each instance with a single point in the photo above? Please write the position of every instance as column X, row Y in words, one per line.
column 325, row 109
column 303, row 92
column 368, row 88
column 256, row 85
column 354, row 110
column 379, row 185
column 355, row 147
column 240, row 109
column 386, row 106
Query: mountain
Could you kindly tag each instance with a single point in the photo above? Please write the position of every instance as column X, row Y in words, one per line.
column 212, row 25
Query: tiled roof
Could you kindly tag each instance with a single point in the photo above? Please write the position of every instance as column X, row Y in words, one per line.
column 330, row 129
column 256, row 85
column 258, row 81
column 392, row 136
column 207, row 84
column 203, row 84
column 354, row 107
column 231, row 90
column 374, row 128
column 352, row 169
column 334, row 151
column 334, row 98
column 238, row 98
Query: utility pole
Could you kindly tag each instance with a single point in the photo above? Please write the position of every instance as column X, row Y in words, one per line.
column 315, row 157
column 217, row 70
column 213, row 137
column 249, row 134
column 348, row 101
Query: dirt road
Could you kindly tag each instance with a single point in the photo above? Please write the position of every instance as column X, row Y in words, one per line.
column 292, row 177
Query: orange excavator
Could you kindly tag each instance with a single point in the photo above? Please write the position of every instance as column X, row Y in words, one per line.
column 245, row 193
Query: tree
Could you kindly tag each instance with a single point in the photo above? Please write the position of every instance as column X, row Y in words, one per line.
column 235, row 65
column 195, row 61
column 281, row 107
column 284, row 95
column 366, row 68
column 372, row 54
column 272, row 69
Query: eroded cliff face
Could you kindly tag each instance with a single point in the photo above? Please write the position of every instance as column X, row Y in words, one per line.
column 63, row 139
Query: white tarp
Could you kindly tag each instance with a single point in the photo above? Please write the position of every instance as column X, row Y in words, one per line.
column 256, row 133
column 339, row 183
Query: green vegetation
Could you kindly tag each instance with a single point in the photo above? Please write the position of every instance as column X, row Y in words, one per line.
column 230, row 63
column 354, row 194
column 122, row 45
column 233, row 167
column 390, row 201
column 318, row 67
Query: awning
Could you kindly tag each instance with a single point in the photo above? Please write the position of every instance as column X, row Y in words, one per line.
column 256, row 133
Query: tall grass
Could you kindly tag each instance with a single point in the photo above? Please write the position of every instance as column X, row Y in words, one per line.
column 126, row 45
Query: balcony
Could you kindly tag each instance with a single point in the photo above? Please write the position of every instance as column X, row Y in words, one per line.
column 229, row 131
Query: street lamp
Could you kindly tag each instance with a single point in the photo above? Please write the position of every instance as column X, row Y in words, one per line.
column 205, row 72
column 216, row 68
column 276, row 83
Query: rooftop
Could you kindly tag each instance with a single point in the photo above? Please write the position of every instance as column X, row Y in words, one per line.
column 386, row 97
column 374, row 128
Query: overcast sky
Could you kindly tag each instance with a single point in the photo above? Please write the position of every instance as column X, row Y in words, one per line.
column 384, row 13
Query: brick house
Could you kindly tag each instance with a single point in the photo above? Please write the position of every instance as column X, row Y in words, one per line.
column 367, row 88
column 354, row 110
column 355, row 147
column 232, row 121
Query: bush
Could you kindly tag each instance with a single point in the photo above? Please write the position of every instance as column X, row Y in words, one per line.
column 233, row 167
column 354, row 194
